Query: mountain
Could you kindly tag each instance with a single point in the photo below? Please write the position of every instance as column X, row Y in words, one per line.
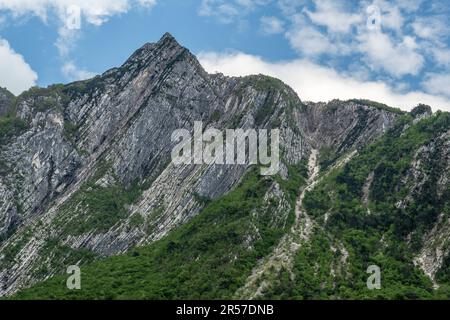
column 86, row 178
column 6, row 99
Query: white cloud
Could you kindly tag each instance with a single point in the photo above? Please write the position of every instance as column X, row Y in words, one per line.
column 433, row 33
column 15, row 74
column 436, row 83
column 290, row 7
column 397, row 59
column 224, row 12
column 409, row 5
column 402, row 46
column 73, row 73
column 441, row 55
column 318, row 83
column 147, row 3
column 392, row 18
column 67, row 39
column 227, row 11
column 331, row 15
column 391, row 12
column 94, row 12
column 250, row 4
column 337, row 30
column 309, row 41
column 271, row 25
column 430, row 28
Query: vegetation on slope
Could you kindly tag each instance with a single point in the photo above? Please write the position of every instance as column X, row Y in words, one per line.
column 43, row 99
column 375, row 233
column 211, row 256
column 208, row 257
column 10, row 126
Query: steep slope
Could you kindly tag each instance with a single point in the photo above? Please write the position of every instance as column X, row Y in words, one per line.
column 93, row 148
column 207, row 257
column 282, row 255
column 87, row 171
column 336, row 127
column 389, row 206
column 6, row 100
column 323, row 255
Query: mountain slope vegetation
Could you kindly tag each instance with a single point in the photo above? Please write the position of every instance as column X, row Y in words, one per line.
column 355, row 227
column 86, row 179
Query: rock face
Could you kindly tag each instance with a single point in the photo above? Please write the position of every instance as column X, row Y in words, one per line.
column 341, row 125
column 113, row 134
column 430, row 174
column 109, row 137
column 6, row 99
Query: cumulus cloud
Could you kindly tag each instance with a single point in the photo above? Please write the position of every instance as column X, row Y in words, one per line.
column 147, row 3
column 271, row 25
column 15, row 73
column 73, row 73
column 95, row 11
column 391, row 14
column 332, row 15
column 70, row 16
column 397, row 59
column 441, row 55
column 309, row 41
column 223, row 11
column 227, row 11
column 409, row 35
column 314, row 82
column 436, row 83
column 431, row 29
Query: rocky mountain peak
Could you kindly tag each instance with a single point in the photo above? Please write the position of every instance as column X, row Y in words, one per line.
column 165, row 50
column 167, row 37
column 91, row 171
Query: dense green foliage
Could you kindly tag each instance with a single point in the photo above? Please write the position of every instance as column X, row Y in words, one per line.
column 84, row 87
column 103, row 208
column 95, row 207
column 43, row 99
column 9, row 253
column 56, row 256
column 373, row 233
column 356, row 227
column 10, row 126
column 208, row 257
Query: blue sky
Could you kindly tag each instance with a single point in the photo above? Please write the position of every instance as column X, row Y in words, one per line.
column 396, row 52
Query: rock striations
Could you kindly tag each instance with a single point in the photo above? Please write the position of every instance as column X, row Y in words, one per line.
column 67, row 150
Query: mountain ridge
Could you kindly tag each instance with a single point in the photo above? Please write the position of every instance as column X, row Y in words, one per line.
column 91, row 173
